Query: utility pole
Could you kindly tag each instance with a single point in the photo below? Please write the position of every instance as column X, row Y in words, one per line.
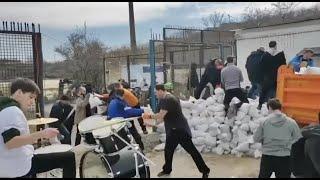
column 132, row 31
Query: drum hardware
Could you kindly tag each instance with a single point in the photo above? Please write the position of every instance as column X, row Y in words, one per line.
column 136, row 152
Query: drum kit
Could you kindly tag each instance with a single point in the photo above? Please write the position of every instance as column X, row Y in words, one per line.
column 114, row 155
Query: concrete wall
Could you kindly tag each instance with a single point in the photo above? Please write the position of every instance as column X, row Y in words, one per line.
column 291, row 38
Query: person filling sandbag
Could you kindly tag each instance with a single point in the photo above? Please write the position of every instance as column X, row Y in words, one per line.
column 277, row 134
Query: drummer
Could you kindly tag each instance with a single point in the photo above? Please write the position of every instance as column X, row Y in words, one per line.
column 118, row 108
column 17, row 158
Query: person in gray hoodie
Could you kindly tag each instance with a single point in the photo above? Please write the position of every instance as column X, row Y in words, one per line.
column 276, row 134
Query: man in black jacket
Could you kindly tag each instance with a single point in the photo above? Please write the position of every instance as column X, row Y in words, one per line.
column 211, row 75
column 254, row 72
column 60, row 110
column 270, row 62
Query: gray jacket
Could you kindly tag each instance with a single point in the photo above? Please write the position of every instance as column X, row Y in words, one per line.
column 277, row 134
column 80, row 110
column 231, row 76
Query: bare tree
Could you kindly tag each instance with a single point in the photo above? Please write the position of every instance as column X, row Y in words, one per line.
column 284, row 9
column 84, row 58
column 214, row 20
column 255, row 16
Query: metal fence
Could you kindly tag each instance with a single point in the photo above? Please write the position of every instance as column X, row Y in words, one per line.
column 174, row 54
column 21, row 56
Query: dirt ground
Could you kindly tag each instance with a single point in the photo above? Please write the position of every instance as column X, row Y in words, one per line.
column 226, row 166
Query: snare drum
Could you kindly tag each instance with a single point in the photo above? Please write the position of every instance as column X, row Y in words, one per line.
column 87, row 125
column 121, row 165
column 109, row 142
column 55, row 148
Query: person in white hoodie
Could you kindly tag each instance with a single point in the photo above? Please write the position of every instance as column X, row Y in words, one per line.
column 271, row 60
column 276, row 134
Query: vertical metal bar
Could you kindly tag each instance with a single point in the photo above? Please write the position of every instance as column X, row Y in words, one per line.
column 38, row 69
column 152, row 62
column 172, row 66
column 128, row 70
column 104, row 73
column 201, row 53
column 221, row 51
column 164, row 55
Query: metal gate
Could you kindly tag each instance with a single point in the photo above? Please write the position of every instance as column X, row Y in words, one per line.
column 21, row 56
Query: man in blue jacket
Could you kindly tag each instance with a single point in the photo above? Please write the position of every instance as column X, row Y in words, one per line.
column 303, row 60
column 118, row 108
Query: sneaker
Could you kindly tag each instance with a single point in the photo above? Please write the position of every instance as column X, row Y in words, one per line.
column 206, row 175
column 145, row 132
column 161, row 174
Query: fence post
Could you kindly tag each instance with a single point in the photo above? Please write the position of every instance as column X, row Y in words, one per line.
column 152, row 62
column 128, row 70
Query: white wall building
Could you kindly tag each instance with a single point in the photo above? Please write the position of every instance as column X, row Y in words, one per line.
column 290, row 37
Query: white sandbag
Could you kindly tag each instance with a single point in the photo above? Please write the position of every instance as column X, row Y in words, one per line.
column 312, row 70
column 253, row 111
column 199, row 141
column 243, row 147
column 246, row 119
column 253, row 126
column 245, row 127
column 264, row 110
column 239, row 154
column 240, row 115
column 192, row 99
column 220, row 114
column 210, row 141
column 196, row 134
column 219, row 150
column 200, row 148
column 214, row 133
column 256, row 146
column 161, row 128
column 224, row 128
column 206, row 150
column 202, row 127
column 257, row 154
column 219, row 91
column 211, row 100
column 186, row 104
column 234, row 100
column 244, row 108
column 219, row 107
column 159, row 147
column 218, row 120
column 94, row 101
column 243, row 136
column 225, row 146
column 220, row 99
column 163, row 138
column 237, row 122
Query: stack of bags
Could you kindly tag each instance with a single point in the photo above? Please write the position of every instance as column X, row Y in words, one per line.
column 213, row 132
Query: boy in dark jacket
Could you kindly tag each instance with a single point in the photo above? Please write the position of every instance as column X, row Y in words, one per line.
column 254, row 72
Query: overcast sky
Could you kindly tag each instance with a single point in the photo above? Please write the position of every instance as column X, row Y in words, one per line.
column 109, row 21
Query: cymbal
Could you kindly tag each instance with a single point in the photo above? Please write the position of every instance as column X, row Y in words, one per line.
column 40, row 121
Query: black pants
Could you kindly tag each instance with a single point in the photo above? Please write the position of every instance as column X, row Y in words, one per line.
column 181, row 137
column 231, row 93
column 140, row 120
column 312, row 157
column 279, row 165
column 268, row 91
column 46, row 162
column 136, row 135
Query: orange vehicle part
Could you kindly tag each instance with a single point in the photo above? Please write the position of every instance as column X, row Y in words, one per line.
column 299, row 95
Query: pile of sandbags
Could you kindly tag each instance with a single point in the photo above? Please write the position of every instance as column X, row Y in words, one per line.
column 213, row 132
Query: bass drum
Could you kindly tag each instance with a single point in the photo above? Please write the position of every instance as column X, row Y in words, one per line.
column 120, row 165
